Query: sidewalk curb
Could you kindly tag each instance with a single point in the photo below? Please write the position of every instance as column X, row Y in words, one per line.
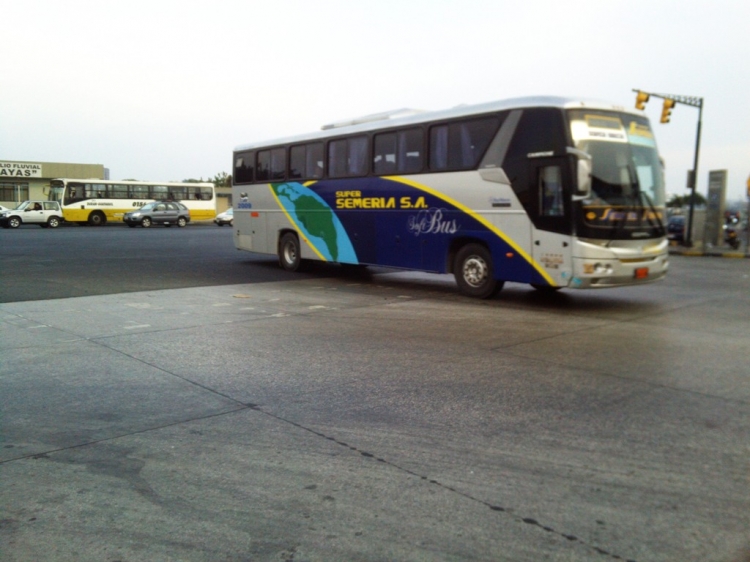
column 712, row 253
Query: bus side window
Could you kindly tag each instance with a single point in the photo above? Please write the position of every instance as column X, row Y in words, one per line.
column 278, row 163
column 314, row 160
column 348, row 157
column 337, row 158
column 297, row 162
column 263, row 166
column 91, row 190
column 384, row 158
column 551, row 192
column 409, row 155
column 459, row 146
column 243, row 168
column 119, row 191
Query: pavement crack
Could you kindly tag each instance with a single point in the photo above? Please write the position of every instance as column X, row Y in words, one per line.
column 432, row 481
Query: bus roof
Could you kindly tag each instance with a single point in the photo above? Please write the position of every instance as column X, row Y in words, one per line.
column 134, row 182
column 402, row 117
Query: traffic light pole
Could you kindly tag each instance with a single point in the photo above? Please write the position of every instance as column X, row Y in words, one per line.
column 689, row 240
column 641, row 99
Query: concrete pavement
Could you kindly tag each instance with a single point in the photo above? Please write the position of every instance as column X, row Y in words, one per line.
column 338, row 420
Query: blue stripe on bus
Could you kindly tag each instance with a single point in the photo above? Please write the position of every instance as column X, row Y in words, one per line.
column 413, row 228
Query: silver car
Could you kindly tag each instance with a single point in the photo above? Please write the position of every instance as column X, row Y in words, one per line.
column 158, row 212
column 225, row 218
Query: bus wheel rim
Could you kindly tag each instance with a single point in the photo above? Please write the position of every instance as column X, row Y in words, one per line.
column 475, row 271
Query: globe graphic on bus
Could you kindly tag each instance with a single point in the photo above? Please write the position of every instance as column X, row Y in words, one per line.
column 317, row 221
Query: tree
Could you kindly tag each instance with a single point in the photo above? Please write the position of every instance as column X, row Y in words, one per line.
column 684, row 200
column 222, row 179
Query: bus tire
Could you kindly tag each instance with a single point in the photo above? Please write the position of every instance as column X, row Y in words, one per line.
column 146, row 222
column 289, row 252
column 53, row 222
column 97, row 218
column 474, row 272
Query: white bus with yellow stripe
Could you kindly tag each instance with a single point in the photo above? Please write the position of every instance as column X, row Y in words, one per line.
column 552, row 192
column 97, row 202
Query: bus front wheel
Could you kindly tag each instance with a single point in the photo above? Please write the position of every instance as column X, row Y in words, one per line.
column 97, row 219
column 473, row 272
column 289, row 252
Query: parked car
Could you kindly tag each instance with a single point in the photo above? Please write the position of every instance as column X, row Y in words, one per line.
column 44, row 213
column 158, row 212
column 227, row 217
column 676, row 228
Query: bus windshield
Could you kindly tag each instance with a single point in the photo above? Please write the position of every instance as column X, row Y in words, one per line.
column 627, row 185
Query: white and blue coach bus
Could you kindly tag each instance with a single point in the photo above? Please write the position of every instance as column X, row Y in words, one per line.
column 547, row 191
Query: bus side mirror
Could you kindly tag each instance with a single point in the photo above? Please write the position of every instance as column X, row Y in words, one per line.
column 583, row 174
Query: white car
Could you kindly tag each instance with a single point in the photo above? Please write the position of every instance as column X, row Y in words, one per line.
column 225, row 218
column 44, row 213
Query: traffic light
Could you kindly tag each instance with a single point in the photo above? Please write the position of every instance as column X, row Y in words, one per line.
column 666, row 110
column 640, row 100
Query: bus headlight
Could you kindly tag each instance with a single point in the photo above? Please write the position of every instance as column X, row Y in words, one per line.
column 598, row 268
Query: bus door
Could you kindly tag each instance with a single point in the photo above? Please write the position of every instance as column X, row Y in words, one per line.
column 550, row 209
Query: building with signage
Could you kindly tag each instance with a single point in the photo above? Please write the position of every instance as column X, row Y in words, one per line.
column 20, row 181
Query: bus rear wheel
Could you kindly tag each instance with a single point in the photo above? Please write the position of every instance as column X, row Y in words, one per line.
column 289, row 252
column 474, row 274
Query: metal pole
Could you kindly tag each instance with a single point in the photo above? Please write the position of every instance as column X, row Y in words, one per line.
column 689, row 240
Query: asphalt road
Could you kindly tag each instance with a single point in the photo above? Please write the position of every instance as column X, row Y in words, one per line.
column 322, row 417
column 74, row 261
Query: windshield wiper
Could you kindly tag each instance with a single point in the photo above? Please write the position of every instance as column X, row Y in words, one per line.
column 650, row 202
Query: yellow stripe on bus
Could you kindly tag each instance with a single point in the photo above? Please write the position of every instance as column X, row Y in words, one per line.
column 478, row 218
column 294, row 224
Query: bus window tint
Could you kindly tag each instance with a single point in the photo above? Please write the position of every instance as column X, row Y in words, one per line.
column 306, row 161
column 263, row 166
column 337, row 158
column 459, row 146
column 539, row 130
column 358, row 156
column 314, row 160
column 139, row 192
column 177, row 193
column 551, row 192
column 384, row 159
column 118, row 191
column 296, row 162
column 409, row 156
column 159, row 192
column 348, row 157
column 93, row 190
column 243, row 168
column 278, row 163
column 399, row 151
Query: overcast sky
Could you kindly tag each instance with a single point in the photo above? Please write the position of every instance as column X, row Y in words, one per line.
column 164, row 90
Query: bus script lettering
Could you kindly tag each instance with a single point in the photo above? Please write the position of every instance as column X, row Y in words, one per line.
column 432, row 221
